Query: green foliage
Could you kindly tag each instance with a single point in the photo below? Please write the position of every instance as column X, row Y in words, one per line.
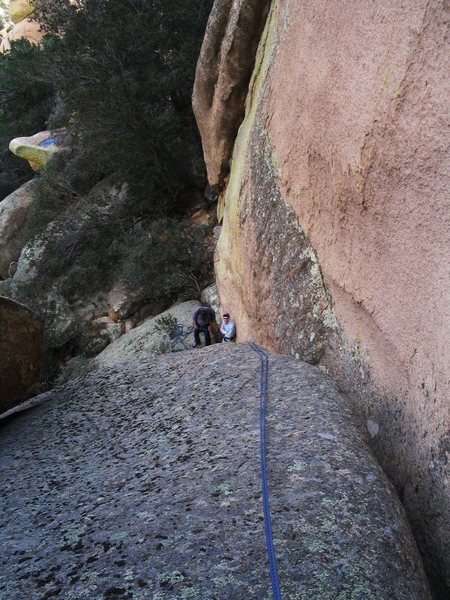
column 158, row 262
column 26, row 98
column 169, row 259
column 166, row 324
column 124, row 70
column 118, row 75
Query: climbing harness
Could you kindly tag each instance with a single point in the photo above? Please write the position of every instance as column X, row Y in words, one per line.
column 264, row 358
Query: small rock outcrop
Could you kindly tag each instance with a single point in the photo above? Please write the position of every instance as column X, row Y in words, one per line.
column 210, row 296
column 223, row 72
column 13, row 218
column 20, row 9
column 23, row 26
column 21, row 340
column 146, row 484
column 38, row 148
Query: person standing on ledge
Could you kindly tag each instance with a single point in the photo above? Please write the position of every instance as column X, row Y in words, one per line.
column 201, row 321
column 228, row 328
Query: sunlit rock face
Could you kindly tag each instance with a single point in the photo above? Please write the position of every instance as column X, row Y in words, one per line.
column 334, row 238
column 21, row 339
column 21, row 25
column 144, row 482
column 38, row 148
column 19, row 10
column 223, row 71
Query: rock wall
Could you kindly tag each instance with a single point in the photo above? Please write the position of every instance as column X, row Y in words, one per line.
column 21, row 341
column 335, row 231
column 146, row 484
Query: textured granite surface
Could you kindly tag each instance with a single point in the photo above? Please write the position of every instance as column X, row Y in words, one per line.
column 142, row 481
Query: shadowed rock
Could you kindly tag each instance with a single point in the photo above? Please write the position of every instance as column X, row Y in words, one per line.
column 20, row 351
column 143, row 482
column 13, row 219
column 20, row 9
column 223, row 72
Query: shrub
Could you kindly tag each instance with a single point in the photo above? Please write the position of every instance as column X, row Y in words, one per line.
column 124, row 71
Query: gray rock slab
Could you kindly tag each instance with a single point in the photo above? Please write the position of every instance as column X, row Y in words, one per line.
column 143, row 481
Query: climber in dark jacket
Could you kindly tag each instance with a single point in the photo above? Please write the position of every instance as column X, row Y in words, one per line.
column 201, row 320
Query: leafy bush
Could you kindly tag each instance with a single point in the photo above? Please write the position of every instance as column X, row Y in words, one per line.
column 166, row 324
column 118, row 74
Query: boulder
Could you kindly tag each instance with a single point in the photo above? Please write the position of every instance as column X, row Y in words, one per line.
column 19, row 9
column 151, row 338
column 46, row 295
column 223, row 72
column 27, row 29
column 13, row 218
column 147, row 482
column 60, row 320
column 21, row 339
column 38, row 148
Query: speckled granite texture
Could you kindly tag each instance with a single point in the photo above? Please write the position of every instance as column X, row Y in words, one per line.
column 142, row 481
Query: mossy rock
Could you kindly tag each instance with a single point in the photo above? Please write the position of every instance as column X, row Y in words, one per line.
column 37, row 149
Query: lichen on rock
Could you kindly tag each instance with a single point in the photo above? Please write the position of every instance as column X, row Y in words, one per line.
column 333, row 236
column 38, row 148
column 14, row 210
column 147, row 483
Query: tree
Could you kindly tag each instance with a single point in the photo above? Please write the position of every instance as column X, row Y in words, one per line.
column 26, row 98
column 124, row 70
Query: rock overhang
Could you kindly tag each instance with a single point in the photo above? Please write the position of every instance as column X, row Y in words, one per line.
column 38, row 148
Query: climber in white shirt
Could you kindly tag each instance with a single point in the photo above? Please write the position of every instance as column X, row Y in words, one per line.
column 227, row 328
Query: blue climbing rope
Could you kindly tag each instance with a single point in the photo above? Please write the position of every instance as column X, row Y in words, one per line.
column 265, row 492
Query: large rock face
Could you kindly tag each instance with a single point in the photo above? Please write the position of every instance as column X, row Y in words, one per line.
column 20, row 351
column 23, row 26
column 335, row 237
column 146, row 485
column 13, row 219
column 38, row 148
